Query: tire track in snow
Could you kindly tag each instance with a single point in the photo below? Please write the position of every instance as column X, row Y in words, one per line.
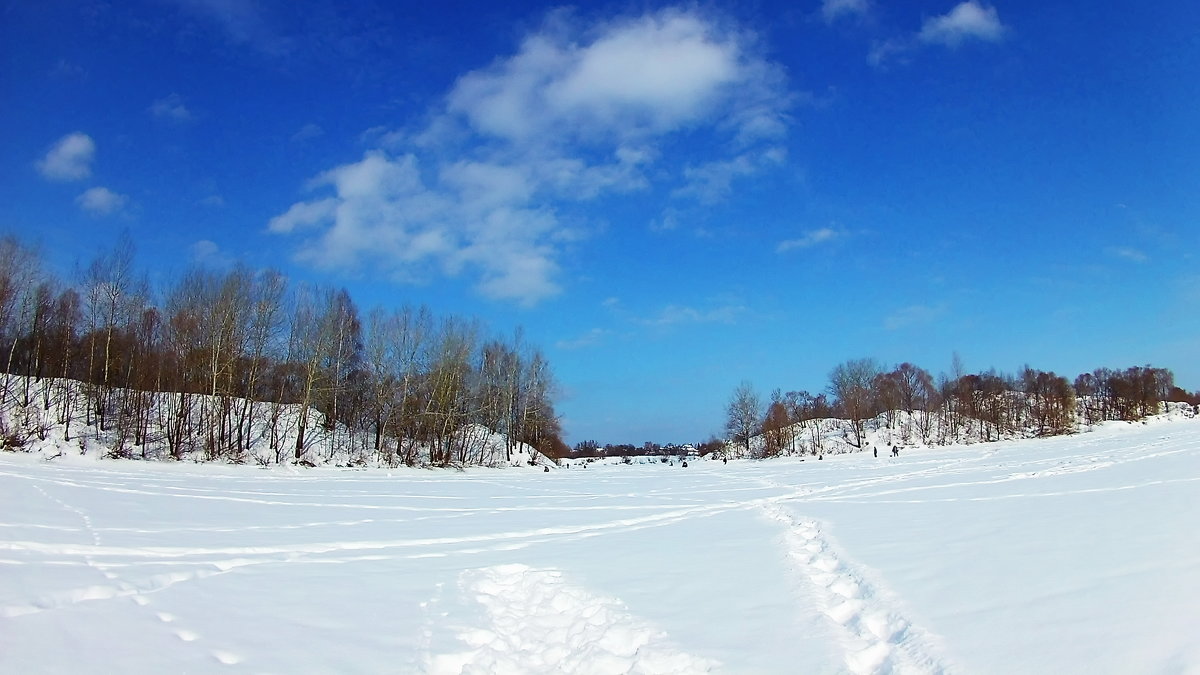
column 875, row 634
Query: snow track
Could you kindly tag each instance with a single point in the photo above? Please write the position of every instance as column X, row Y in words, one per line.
column 115, row 588
column 875, row 634
column 537, row 622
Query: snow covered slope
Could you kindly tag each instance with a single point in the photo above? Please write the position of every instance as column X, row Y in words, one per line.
column 1073, row 554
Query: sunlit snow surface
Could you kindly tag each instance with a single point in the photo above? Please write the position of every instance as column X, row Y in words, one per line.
column 1070, row 555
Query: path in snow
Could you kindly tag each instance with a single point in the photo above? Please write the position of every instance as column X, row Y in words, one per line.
column 874, row 633
column 537, row 622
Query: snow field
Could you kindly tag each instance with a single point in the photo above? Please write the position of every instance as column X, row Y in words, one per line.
column 1071, row 554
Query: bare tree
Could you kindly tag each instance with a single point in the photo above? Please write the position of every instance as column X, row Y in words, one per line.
column 1050, row 399
column 19, row 272
column 742, row 415
column 917, row 396
column 62, row 325
column 107, row 284
column 261, row 346
column 447, row 396
column 852, row 384
column 538, row 425
column 315, row 350
column 343, row 342
column 380, row 351
column 808, row 411
column 777, row 427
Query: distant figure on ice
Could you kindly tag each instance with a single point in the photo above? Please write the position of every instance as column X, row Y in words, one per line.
column 895, row 451
column 875, row 450
column 821, row 456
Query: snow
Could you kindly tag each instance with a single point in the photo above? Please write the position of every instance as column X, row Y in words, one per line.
column 1069, row 554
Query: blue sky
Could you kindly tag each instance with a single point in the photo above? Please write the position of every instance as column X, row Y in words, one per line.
column 670, row 199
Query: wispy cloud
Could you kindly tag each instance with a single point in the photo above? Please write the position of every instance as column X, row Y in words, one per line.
column 578, row 113
column 968, row 20
column 100, row 201
column 666, row 222
column 68, row 69
column 913, row 315
column 172, row 109
column 676, row 315
column 1188, row 287
column 809, row 239
column 591, row 338
column 832, row 10
column 308, row 132
column 1128, row 253
column 885, row 52
column 243, row 22
column 713, row 181
column 69, row 159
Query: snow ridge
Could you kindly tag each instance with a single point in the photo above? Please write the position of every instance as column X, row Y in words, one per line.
column 875, row 634
column 540, row 623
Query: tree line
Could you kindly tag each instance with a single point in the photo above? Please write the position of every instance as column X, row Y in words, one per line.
column 918, row 408
column 592, row 448
column 221, row 361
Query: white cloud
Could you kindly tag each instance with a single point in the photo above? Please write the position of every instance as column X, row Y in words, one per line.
column 172, row 109
column 637, row 78
column 492, row 186
column 509, row 248
column 486, row 186
column 660, row 72
column 832, row 10
column 809, row 239
column 968, row 20
column 69, row 159
column 100, row 201
column 303, row 215
column 206, row 252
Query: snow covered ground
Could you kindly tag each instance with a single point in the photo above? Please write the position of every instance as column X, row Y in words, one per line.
column 1074, row 554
